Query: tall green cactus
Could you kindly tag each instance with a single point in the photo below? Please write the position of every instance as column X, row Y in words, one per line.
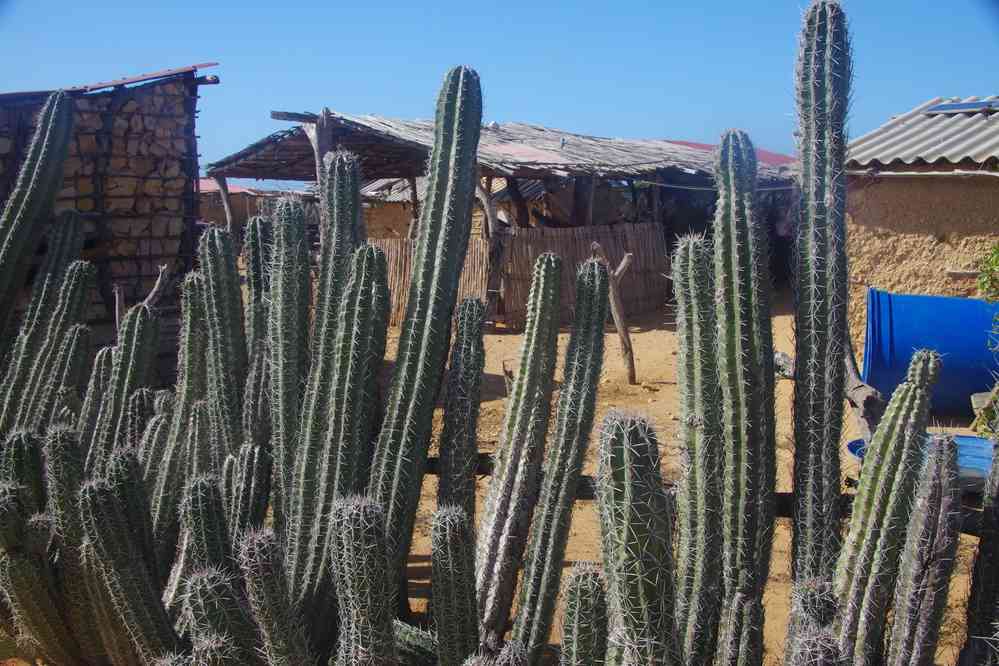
column 21, row 462
column 563, row 462
column 29, row 204
column 510, row 500
column 699, row 589
column 927, row 559
column 226, row 349
column 445, row 222
column 452, row 585
column 130, row 368
column 745, row 367
column 823, row 91
column 286, row 319
column 868, row 562
column 256, row 258
column 68, row 372
column 97, row 387
column 636, row 527
column 811, row 637
column 584, row 628
column 247, row 474
column 366, row 588
column 213, row 605
column 459, row 447
column 740, row 640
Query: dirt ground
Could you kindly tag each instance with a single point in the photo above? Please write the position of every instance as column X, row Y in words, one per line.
column 654, row 341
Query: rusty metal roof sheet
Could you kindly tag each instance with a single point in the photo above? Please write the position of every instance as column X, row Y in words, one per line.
column 129, row 80
column 926, row 135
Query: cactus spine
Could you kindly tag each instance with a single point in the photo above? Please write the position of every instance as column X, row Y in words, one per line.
column 226, row 349
column 868, row 562
column 823, row 90
column 452, row 538
column 636, row 526
column 458, row 445
column 564, row 462
column 256, row 250
column 509, row 504
column 584, row 628
column 400, row 454
column 811, row 637
column 698, row 592
column 927, row 559
column 213, row 606
column 34, row 192
column 983, row 601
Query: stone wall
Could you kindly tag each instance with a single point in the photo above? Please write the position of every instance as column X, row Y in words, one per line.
column 132, row 173
column 914, row 235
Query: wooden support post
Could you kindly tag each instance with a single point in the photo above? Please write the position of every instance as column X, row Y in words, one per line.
column 523, row 215
column 414, row 201
column 320, row 133
column 866, row 402
column 582, row 201
column 589, row 203
column 635, row 203
column 654, row 197
column 617, row 307
column 489, row 206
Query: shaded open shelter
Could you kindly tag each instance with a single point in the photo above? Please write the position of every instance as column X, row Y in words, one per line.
column 923, row 202
column 132, row 173
column 539, row 189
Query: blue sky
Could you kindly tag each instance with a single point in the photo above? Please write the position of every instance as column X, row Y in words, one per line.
column 629, row 68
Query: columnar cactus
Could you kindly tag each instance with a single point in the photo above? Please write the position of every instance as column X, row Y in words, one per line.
column 130, row 368
column 636, row 527
column 21, row 463
column 256, row 257
column 983, row 601
column 277, row 621
column 698, row 583
column 745, row 367
column 563, row 462
column 823, row 91
column 97, row 387
column 584, row 627
column 212, row 604
column 740, row 640
column 286, row 317
column 514, row 485
column 138, row 411
column 459, row 447
column 452, row 585
column 811, row 639
column 28, row 205
column 226, row 349
column 68, row 371
column 927, row 559
column 868, row 564
column 415, row 646
column 365, row 587
column 445, row 222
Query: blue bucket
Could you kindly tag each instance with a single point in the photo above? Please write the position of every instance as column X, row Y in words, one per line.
column 974, row 459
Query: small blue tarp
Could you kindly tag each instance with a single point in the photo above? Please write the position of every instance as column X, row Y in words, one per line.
column 958, row 328
column 974, row 459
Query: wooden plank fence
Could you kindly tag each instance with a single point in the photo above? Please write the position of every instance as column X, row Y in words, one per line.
column 644, row 286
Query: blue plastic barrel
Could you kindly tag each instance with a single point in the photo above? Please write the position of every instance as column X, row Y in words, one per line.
column 958, row 328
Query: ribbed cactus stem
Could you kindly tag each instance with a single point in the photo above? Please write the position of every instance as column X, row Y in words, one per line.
column 584, row 626
column 247, row 474
column 415, row 646
column 256, row 259
column 213, row 605
column 452, row 584
column 28, row 205
column 130, row 368
column 868, row 563
column 152, row 447
column 226, row 349
column 124, row 472
column 512, row 654
column 365, row 587
column 138, row 411
column 122, row 572
column 340, row 212
column 740, row 639
column 823, row 91
column 927, row 559
column 97, row 387
column 811, row 639
column 563, row 462
column 343, row 453
column 698, row 580
column 68, row 373
column 287, row 317
column 745, row 365
column 277, row 621
column 513, row 487
column 983, row 600
column 445, row 221
column 636, row 527
column 21, row 463
column 459, row 447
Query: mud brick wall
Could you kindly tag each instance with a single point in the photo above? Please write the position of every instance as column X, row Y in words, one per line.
column 132, row 173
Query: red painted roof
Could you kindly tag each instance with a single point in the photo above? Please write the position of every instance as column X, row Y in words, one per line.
column 765, row 156
column 210, row 186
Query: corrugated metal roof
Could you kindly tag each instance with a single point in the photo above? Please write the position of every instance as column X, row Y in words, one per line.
column 128, row 80
column 395, row 190
column 921, row 137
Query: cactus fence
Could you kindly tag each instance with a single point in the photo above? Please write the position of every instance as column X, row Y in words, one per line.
column 643, row 287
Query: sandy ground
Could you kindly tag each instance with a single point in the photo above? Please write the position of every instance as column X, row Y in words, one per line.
column 655, row 396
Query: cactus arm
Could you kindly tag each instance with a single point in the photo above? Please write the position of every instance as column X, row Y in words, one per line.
column 401, row 451
column 213, row 606
column 415, row 646
column 256, row 249
column 564, row 462
column 68, row 372
column 584, row 628
column 510, row 499
column 97, row 386
column 452, row 537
